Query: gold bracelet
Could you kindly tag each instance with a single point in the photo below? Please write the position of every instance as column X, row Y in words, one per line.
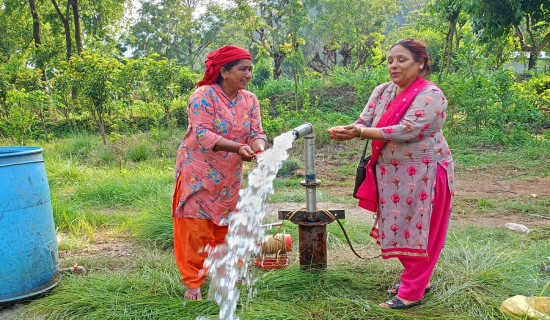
column 361, row 134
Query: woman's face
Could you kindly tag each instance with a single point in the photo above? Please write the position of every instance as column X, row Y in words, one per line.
column 237, row 77
column 402, row 67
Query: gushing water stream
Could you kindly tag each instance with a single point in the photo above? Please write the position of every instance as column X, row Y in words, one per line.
column 227, row 263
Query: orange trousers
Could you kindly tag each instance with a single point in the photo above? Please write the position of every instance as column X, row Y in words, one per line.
column 190, row 238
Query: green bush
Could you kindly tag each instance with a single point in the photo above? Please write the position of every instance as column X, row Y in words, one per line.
column 263, row 72
column 289, row 166
column 80, row 146
column 140, row 152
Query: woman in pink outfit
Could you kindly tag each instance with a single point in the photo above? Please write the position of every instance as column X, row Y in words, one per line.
column 410, row 177
column 224, row 130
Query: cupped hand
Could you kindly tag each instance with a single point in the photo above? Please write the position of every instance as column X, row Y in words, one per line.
column 246, row 153
column 341, row 133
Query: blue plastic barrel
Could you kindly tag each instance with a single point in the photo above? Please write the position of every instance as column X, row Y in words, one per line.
column 28, row 245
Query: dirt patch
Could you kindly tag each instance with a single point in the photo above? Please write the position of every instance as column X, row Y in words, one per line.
column 114, row 252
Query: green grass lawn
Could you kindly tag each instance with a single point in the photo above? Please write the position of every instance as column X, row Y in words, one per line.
column 125, row 193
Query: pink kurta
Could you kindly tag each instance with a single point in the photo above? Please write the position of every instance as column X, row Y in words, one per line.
column 207, row 181
column 406, row 169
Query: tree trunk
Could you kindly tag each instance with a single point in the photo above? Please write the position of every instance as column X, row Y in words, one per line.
column 66, row 26
column 345, row 51
column 37, row 37
column 4, row 103
column 43, row 122
column 448, row 50
column 101, row 124
column 452, row 30
column 277, row 65
column 532, row 61
column 533, row 48
column 331, row 56
column 167, row 113
column 77, row 31
column 318, row 64
column 67, row 114
column 35, row 24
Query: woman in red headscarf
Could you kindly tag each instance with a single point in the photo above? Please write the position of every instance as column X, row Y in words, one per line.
column 224, row 130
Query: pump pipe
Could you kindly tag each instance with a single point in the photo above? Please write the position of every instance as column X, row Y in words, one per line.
column 312, row 223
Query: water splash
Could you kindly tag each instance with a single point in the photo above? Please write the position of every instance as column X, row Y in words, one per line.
column 227, row 263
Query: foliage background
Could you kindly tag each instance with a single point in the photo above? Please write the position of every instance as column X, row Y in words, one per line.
column 316, row 61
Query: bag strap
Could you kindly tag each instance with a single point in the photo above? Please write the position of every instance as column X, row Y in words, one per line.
column 365, row 150
column 367, row 144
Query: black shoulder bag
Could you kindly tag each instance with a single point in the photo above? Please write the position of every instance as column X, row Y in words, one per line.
column 361, row 170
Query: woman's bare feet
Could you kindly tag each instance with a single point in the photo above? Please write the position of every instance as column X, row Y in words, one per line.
column 192, row 294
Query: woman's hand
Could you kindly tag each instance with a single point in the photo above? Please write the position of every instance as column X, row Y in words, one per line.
column 245, row 152
column 341, row 133
column 258, row 146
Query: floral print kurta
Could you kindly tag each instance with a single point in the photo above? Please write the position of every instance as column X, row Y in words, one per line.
column 207, row 181
column 406, row 169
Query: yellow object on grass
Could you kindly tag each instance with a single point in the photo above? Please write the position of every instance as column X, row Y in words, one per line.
column 532, row 307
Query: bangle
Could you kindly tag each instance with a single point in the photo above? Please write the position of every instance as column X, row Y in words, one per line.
column 240, row 146
column 361, row 134
column 259, row 151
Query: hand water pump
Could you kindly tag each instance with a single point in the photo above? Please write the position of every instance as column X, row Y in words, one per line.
column 312, row 222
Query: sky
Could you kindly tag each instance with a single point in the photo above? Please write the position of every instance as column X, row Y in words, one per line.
column 200, row 9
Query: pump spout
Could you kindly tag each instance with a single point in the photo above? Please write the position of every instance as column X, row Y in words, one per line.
column 302, row 130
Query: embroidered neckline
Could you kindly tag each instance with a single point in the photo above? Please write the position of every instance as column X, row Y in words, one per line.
column 230, row 103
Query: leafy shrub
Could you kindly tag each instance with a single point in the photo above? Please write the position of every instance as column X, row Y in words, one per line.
column 80, row 146
column 290, row 165
column 263, row 72
column 140, row 152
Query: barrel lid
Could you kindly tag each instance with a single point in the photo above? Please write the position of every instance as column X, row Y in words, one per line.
column 18, row 151
column 10, row 156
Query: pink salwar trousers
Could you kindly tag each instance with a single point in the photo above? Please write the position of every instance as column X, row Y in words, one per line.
column 418, row 272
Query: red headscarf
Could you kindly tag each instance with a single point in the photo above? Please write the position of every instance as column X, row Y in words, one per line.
column 220, row 57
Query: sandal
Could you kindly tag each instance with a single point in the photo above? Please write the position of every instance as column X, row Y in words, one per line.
column 395, row 289
column 192, row 294
column 396, row 303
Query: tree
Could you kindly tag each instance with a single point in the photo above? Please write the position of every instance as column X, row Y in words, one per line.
column 66, row 26
column 77, row 28
column 101, row 19
column 353, row 28
column 170, row 29
column 6, row 84
column 37, row 36
column 274, row 26
column 35, row 24
column 93, row 21
column 95, row 78
column 15, row 23
column 207, row 32
column 62, row 88
column 449, row 10
column 528, row 19
column 161, row 77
